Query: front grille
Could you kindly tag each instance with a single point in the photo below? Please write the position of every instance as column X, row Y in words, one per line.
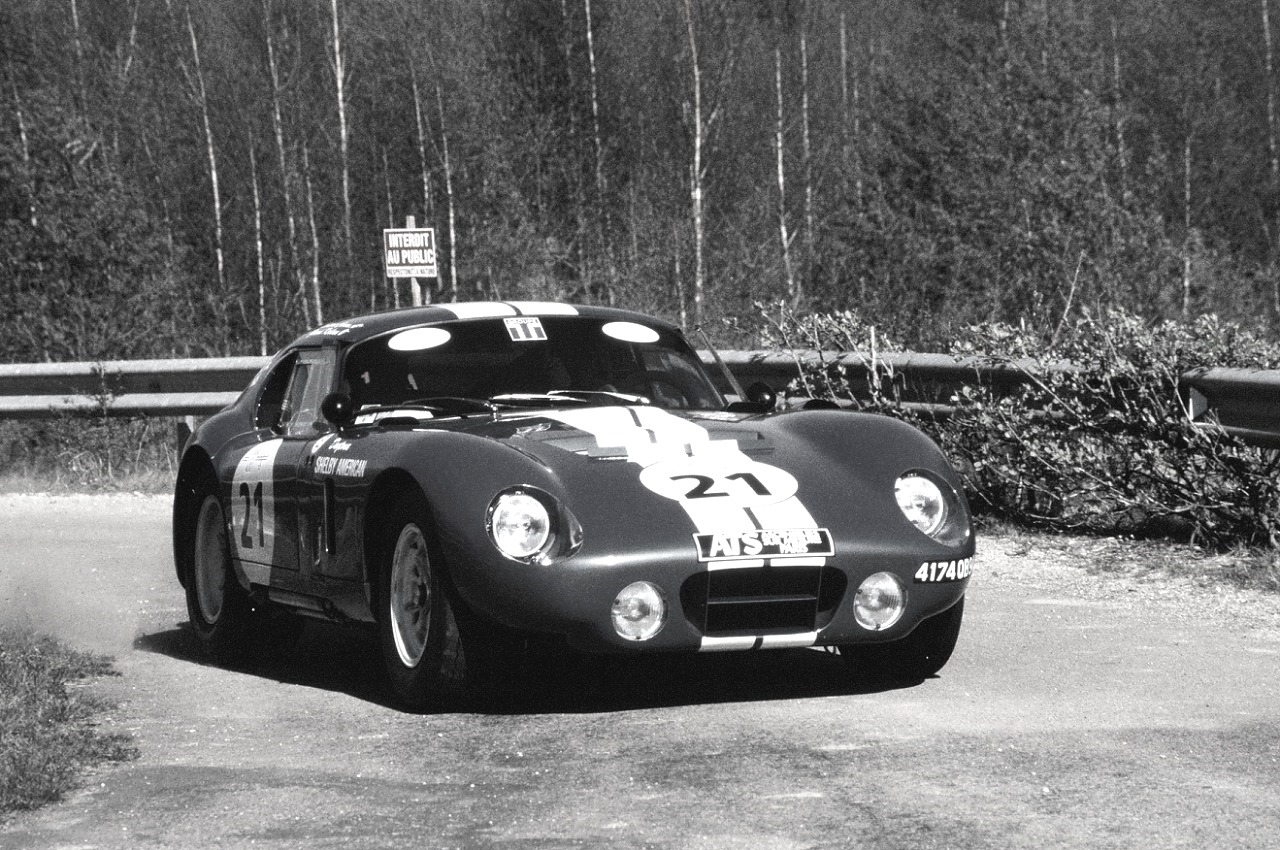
column 762, row 600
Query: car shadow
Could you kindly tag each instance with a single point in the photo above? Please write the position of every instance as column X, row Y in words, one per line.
column 552, row 679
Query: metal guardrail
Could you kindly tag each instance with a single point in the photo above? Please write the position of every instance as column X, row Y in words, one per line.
column 190, row 387
column 1245, row 402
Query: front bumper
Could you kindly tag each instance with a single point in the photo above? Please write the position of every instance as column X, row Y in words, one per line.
column 773, row 603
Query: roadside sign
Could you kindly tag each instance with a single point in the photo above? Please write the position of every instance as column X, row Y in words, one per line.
column 410, row 252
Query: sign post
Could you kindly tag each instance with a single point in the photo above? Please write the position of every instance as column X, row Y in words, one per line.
column 410, row 252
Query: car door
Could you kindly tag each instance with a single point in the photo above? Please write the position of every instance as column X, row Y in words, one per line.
column 271, row 508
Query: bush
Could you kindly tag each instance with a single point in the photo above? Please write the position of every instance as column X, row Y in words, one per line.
column 1106, row 446
column 99, row 453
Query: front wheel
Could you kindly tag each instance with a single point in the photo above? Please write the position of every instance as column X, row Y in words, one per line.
column 418, row 632
column 220, row 610
column 917, row 656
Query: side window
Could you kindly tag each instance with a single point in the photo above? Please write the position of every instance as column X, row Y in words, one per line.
column 271, row 401
column 311, row 381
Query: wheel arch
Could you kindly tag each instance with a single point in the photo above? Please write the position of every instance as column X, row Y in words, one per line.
column 391, row 486
column 195, row 476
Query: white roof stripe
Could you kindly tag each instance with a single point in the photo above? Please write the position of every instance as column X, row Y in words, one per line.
column 544, row 308
column 480, row 310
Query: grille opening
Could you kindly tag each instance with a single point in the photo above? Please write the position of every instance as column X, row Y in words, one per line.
column 762, row 600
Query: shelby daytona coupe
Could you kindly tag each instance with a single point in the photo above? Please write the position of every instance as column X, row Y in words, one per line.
column 459, row 474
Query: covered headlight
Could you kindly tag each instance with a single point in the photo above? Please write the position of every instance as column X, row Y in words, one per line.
column 933, row 506
column 879, row 602
column 520, row 524
column 530, row 525
column 921, row 501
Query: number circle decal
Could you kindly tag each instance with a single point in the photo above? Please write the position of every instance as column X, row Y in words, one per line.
column 736, row 482
column 253, row 508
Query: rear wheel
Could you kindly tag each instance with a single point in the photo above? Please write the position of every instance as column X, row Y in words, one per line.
column 220, row 610
column 917, row 656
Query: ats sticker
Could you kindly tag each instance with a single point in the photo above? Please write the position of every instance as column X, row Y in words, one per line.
column 932, row 571
column 765, row 543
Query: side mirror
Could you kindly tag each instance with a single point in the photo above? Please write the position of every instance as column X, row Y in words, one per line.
column 762, row 393
column 760, row 398
column 337, row 408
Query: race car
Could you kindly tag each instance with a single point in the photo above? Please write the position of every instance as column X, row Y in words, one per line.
column 464, row 475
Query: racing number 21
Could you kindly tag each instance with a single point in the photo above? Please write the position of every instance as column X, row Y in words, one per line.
column 703, row 484
column 251, row 500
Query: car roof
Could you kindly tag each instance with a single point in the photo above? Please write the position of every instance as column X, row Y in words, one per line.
column 359, row 328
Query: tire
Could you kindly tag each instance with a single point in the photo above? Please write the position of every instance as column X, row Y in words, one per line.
column 421, row 644
column 913, row 658
column 220, row 610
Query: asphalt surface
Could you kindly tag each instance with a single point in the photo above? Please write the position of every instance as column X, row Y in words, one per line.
column 1077, row 712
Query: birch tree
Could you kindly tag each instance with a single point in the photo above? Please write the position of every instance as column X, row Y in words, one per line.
column 697, row 171
column 337, row 62
column 196, row 86
column 779, row 146
column 277, row 126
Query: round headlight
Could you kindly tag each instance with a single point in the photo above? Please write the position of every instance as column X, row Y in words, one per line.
column 639, row 611
column 519, row 524
column 879, row 602
column 921, row 501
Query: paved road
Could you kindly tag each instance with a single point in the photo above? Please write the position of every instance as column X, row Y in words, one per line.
column 1078, row 712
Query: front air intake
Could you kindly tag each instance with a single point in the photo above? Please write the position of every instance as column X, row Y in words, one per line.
column 762, row 600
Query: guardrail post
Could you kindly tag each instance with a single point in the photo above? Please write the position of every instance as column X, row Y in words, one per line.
column 183, row 430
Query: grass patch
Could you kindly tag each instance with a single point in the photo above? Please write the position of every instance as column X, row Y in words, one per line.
column 47, row 730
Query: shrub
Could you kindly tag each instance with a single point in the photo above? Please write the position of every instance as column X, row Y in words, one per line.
column 93, row 453
column 1095, row 437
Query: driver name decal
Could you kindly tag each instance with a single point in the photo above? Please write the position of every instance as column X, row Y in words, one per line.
column 343, row 467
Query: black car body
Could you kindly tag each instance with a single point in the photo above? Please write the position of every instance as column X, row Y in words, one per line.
column 456, row 472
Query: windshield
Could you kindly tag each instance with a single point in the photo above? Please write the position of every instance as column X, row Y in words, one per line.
column 495, row 358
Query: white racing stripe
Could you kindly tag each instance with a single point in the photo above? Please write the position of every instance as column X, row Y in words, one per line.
column 508, row 309
column 480, row 310
column 720, row 488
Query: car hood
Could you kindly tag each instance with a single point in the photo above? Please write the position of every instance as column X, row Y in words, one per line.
column 645, row 473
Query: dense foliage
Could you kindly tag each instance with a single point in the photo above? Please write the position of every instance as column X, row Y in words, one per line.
column 206, row 177
column 1104, row 445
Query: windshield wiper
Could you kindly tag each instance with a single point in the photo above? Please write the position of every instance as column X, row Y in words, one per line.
column 446, row 405
column 557, row 398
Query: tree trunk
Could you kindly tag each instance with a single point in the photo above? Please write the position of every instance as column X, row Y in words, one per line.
column 203, row 102
column 277, row 123
column 25, row 149
column 1271, row 96
column 77, row 41
column 449, row 199
column 1122, row 153
column 316, row 304
column 1186, row 227
column 257, row 241
column 806, row 150
column 602, row 209
column 340, row 80
column 696, row 171
column 779, row 140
